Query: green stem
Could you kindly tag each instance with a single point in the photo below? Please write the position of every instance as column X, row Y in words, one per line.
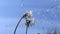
column 26, row 29
column 17, row 26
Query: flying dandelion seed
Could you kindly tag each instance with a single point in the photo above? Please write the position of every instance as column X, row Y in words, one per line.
column 55, row 16
column 48, row 10
column 55, row 0
column 22, row 4
column 38, row 13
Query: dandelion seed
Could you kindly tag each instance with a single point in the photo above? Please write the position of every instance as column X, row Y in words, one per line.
column 38, row 13
column 55, row 15
column 48, row 10
column 55, row 0
column 22, row 4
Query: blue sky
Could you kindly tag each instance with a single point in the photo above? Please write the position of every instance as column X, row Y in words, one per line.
column 45, row 12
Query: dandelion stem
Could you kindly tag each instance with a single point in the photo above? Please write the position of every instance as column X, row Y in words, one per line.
column 17, row 26
column 26, row 29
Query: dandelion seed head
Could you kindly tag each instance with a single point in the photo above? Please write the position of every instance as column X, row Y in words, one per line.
column 32, row 20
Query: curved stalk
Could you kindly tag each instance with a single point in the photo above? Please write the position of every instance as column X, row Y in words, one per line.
column 17, row 26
